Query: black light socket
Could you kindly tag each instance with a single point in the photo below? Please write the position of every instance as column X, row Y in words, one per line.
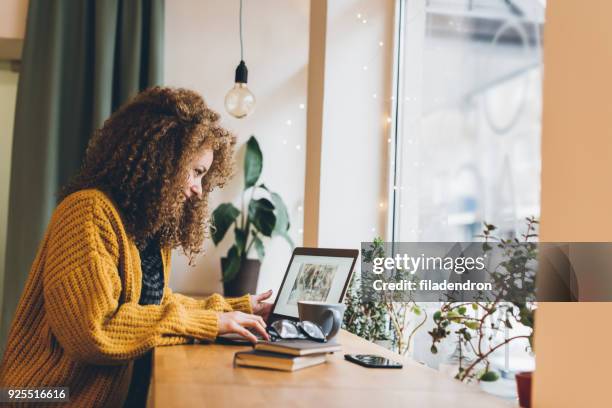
column 242, row 73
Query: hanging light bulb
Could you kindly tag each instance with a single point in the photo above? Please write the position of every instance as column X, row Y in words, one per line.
column 240, row 101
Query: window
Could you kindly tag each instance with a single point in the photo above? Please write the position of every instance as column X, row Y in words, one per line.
column 465, row 147
column 468, row 118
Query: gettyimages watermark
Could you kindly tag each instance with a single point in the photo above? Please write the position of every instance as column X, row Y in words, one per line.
column 508, row 271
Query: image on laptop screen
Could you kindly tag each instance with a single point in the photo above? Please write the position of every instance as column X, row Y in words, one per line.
column 314, row 278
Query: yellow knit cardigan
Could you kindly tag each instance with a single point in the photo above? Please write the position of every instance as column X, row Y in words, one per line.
column 78, row 323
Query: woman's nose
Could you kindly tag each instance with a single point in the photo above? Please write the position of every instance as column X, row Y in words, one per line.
column 197, row 189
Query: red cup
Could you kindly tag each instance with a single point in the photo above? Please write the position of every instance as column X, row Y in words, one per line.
column 523, row 385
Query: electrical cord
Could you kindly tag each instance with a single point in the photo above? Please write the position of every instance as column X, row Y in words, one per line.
column 240, row 25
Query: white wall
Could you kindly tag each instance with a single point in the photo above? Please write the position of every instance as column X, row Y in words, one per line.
column 202, row 51
column 355, row 129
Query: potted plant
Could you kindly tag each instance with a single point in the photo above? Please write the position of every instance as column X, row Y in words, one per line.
column 382, row 321
column 263, row 214
column 476, row 323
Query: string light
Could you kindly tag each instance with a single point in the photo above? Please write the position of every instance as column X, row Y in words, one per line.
column 302, row 106
column 298, row 147
column 288, row 122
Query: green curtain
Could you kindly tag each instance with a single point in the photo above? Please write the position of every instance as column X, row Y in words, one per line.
column 81, row 60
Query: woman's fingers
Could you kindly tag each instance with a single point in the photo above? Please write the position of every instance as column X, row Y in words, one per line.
column 257, row 323
column 238, row 322
column 259, row 328
column 255, row 317
column 245, row 333
column 264, row 295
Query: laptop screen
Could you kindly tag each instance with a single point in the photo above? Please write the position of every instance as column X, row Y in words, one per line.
column 314, row 278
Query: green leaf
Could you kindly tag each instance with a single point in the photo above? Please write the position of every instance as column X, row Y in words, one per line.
column 462, row 310
column 241, row 238
column 281, row 227
column 472, row 325
column 231, row 264
column 489, row 376
column 437, row 316
column 453, row 315
column 253, row 163
column 259, row 247
column 433, row 349
column 222, row 218
column 261, row 214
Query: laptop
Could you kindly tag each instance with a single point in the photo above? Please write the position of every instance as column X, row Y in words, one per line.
column 315, row 274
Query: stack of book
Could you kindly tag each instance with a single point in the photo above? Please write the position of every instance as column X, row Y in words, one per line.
column 286, row 355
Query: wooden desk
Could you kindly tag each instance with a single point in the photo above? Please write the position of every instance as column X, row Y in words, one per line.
column 202, row 375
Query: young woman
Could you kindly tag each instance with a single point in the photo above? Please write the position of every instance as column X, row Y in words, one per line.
column 97, row 299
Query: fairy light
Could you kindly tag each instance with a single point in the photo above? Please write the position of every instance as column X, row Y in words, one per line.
column 288, row 122
column 302, row 106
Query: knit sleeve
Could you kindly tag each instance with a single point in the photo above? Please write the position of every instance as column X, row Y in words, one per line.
column 242, row 303
column 213, row 302
column 82, row 290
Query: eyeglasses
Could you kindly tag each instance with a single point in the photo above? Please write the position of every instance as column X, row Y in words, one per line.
column 287, row 329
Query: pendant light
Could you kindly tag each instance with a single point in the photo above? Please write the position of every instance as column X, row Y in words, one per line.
column 240, row 101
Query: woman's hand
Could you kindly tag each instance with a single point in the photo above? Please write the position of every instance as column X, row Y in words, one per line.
column 238, row 322
column 260, row 307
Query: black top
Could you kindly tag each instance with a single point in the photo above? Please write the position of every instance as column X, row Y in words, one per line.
column 152, row 275
column 151, row 294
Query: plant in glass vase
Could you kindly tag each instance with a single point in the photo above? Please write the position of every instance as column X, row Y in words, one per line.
column 263, row 214
column 478, row 324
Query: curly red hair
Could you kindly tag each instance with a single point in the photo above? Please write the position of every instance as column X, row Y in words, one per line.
column 140, row 158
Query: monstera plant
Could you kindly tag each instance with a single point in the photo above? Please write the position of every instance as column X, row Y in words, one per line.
column 262, row 215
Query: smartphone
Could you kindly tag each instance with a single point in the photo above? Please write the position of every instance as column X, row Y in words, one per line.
column 372, row 361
